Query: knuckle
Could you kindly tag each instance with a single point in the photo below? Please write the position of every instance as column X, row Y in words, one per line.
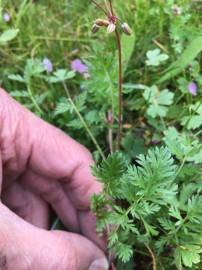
column 3, row 262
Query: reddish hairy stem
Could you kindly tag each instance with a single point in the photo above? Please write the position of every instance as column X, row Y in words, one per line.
column 111, row 7
column 101, row 8
column 120, row 117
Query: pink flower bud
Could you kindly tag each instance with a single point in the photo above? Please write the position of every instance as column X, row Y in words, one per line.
column 95, row 28
column 126, row 29
column 111, row 28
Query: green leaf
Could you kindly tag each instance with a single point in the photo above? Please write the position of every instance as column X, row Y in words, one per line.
column 111, row 169
column 133, row 145
column 63, row 106
column 190, row 255
column 154, row 176
column 155, row 58
column 178, row 258
column 181, row 145
column 166, row 224
column 16, row 77
column 128, row 44
column 194, row 120
column 8, row 35
column 190, row 53
column 19, row 93
column 110, row 172
column 33, row 68
column 151, row 230
column 124, row 252
column 197, row 158
column 61, row 75
column 158, row 100
column 174, row 212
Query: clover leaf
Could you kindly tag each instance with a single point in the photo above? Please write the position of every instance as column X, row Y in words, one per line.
column 155, row 58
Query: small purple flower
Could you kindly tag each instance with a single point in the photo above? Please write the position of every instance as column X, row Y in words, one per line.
column 155, row 142
column 6, row 17
column 47, row 65
column 192, row 88
column 79, row 67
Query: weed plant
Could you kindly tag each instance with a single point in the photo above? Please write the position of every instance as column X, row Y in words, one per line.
column 53, row 64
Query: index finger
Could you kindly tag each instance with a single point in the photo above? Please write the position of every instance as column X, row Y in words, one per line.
column 49, row 152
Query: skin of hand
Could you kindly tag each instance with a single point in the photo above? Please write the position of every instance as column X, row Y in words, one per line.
column 42, row 166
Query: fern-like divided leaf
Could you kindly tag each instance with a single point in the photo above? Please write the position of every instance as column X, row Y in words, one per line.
column 150, row 205
column 111, row 170
column 154, row 176
column 158, row 164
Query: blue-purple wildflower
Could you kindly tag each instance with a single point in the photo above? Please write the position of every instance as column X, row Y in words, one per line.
column 78, row 66
column 48, row 65
column 6, row 17
column 155, row 142
column 192, row 88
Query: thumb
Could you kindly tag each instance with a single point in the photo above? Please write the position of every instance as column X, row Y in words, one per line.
column 83, row 254
column 24, row 246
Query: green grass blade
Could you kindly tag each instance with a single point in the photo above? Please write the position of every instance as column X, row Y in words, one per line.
column 190, row 53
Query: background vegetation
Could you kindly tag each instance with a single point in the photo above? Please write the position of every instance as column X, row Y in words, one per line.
column 162, row 106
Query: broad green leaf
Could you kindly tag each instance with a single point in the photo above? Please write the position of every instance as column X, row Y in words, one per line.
column 197, row 158
column 8, row 35
column 194, row 120
column 155, row 58
column 190, row 255
column 189, row 54
column 158, row 101
column 33, row 68
column 181, row 145
column 128, row 44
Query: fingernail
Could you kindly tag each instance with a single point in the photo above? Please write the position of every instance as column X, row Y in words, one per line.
column 100, row 264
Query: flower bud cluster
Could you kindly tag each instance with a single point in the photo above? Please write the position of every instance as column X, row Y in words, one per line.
column 111, row 25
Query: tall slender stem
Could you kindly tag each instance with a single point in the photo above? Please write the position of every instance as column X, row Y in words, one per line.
column 100, row 7
column 33, row 99
column 120, row 117
column 111, row 7
column 83, row 122
column 153, row 257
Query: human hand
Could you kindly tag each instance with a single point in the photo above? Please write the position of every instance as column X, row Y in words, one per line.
column 41, row 166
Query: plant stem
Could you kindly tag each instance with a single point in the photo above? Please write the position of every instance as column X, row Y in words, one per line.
column 153, row 257
column 120, row 117
column 101, row 8
column 111, row 7
column 110, row 118
column 33, row 99
column 83, row 122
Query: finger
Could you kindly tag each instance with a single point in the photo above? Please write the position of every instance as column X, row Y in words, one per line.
column 14, row 151
column 0, row 175
column 27, row 247
column 88, row 228
column 48, row 152
column 52, row 192
column 27, row 205
column 86, row 256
